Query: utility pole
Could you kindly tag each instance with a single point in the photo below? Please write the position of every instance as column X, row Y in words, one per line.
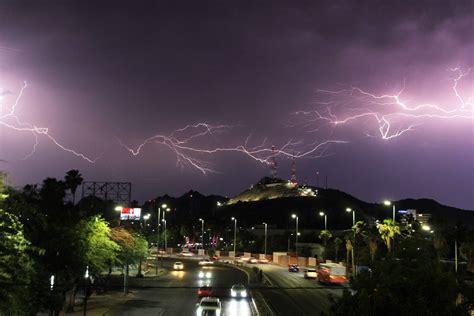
column 265, row 246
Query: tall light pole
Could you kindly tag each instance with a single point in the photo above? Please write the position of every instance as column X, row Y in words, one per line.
column 388, row 203
column 202, row 232
column 325, row 220
column 163, row 206
column 235, row 233
column 296, row 236
column 354, row 267
column 265, row 244
column 166, row 233
column 349, row 210
column 119, row 209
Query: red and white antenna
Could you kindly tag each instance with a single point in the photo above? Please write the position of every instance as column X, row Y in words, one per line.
column 273, row 166
column 293, row 171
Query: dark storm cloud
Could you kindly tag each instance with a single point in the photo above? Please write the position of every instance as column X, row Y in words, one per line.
column 132, row 69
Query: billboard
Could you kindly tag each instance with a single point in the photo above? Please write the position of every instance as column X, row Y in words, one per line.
column 130, row 213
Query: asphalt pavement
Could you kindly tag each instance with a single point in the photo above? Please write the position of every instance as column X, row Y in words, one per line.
column 289, row 293
column 175, row 293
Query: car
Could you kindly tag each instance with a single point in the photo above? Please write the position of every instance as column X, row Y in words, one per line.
column 209, row 306
column 263, row 260
column 178, row 265
column 293, row 268
column 187, row 254
column 205, row 274
column 238, row 291
column 215, row 257
column 253, row 260
column 310, row 274
column 205, row 262
column 205, row 291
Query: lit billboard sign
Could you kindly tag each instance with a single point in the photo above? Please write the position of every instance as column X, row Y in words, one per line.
column 130, row 213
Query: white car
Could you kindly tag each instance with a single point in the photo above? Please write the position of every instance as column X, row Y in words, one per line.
column 178, row 266
column 238, row 290
column 253, row 260
column 209, row 306
column 310, row 274
column 263, row 260
column 206, row 262
column 205, row 274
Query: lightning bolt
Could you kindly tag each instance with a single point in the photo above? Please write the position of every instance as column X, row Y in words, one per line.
column 9, row 119
column 180, row 142
column 386, row 110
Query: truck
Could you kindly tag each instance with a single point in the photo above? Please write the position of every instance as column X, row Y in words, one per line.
column 332, row 273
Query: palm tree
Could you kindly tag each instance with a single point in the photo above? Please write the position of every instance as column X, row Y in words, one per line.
column 387, row 231
column 73, row 179
column 325, row 235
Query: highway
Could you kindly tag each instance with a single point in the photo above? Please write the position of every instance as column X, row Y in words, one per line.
column 175, row 293
column 292, row 294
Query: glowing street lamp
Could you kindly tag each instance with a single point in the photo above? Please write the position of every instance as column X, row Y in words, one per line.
column 119, row 208
column 325, row 220
column 163, row 206
column 349, row 210
column 426, row 228
column 294, row 216
column 235, row 232
column 202, row 232
column 388, row 203
column 265, row 247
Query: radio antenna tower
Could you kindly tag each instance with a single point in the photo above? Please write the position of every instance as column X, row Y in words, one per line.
column 273, row 166
column 293, row 171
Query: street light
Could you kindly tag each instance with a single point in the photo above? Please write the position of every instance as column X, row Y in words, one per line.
column 325, row 220
column 426, row 228
column 294, row 216
column 388, row 203
column 354, row 267
column 202, row 232
column 166, row 233
column 163, row 206
column 235, row 232
column 265, row 247
column 119, row 208
column 349, row 210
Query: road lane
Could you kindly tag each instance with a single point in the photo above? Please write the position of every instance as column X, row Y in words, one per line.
column 176, row 292
column 291, row 293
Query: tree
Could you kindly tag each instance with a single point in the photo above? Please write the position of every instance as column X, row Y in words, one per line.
column 73, row 179
column 467, row 252
column 337, row 245
column 325, row 235
column 415, row 283
column 388, row 230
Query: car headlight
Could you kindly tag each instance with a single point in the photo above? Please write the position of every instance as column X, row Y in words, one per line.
column 208, row 274
column 201, row 274
column 232, row 293
column 243, row 293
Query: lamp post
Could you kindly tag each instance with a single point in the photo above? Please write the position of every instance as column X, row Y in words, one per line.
column 354, row 267
column 119, row 209
column 296, row 236
column 388, row 203
column 235, row 233
column 325, row 220
column 86, row 290
column 349, row 210
column 163, row 206
column 265, row 244
column 166, row 233
column 202, row 232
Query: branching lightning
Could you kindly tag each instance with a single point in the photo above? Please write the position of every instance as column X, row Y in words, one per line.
column 393, row 115
column 10, row 119
column 180, row 142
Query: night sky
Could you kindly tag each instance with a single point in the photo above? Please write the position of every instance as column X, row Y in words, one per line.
column 106, row 74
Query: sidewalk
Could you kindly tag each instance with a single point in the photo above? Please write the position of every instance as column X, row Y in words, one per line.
column 98, row 305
